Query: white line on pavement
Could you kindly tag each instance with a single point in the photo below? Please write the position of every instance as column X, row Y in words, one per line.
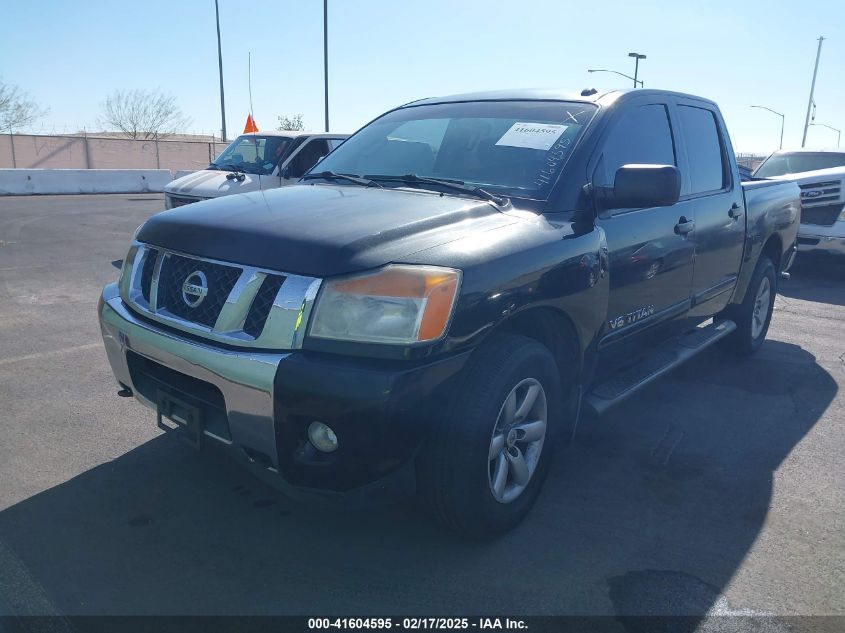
column 67, row 350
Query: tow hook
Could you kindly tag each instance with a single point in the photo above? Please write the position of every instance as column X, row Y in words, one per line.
column 125, row 392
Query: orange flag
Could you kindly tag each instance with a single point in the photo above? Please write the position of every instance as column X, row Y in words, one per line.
column 250, row 124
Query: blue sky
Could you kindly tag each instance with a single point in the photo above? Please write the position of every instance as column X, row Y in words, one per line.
column 69, row 55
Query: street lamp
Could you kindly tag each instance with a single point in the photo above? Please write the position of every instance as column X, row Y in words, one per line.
column 220, row 64
column 616, row 72
column 782, row 118
column 637, row 57
column 326, row 58
column 838, row 132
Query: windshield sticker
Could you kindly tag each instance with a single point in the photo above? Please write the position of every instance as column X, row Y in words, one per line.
column 554, row 158
column 532, row 135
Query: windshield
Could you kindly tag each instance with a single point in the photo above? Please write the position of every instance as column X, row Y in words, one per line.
column 512, row 148
column 253, row 154
column 786, row 163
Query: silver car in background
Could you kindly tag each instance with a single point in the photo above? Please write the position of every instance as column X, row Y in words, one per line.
column 820, row 174
column 253, row 162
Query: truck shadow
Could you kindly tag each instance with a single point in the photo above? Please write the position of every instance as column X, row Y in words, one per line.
column 649, row 510
column 816, row 277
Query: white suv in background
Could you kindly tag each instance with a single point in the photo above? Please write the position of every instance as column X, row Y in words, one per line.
column 264, row 160
column 820, row 175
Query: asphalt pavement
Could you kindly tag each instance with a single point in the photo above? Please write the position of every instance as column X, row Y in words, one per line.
column 719, row 489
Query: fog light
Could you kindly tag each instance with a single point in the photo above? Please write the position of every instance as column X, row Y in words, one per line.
column 322, row 437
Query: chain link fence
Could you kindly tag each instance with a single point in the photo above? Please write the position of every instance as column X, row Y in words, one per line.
column 75, row 151
column 752, row 161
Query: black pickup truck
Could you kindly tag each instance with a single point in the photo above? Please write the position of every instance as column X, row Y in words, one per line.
column 450, row 291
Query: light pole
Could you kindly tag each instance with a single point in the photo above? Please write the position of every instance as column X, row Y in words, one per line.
column 616, row 72
column 782, row 118
column 838, row 131
column 637, row 57
column 812, row 89
column 220, row 65
column 326, row 58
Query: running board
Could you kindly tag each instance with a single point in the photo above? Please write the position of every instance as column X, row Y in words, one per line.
column 667, row 357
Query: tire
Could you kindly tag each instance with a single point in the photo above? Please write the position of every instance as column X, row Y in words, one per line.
column 457, row 472
column 751, row 324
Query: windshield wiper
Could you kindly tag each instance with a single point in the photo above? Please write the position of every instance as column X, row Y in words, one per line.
column 331, row 175
column 448, row 183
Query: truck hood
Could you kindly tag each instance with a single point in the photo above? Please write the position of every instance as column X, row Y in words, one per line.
column 320, row 230
column 212, row 184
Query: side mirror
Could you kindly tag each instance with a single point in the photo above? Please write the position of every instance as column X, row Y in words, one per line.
column 640, row 186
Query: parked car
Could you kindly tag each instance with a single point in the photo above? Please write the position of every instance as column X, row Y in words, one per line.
column 820, row 175
column 449, row 291
column 252, row 162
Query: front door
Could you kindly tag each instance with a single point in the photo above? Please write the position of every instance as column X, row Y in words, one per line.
column 651, row 249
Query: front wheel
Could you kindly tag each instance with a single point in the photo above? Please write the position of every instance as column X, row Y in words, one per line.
column 486, row 460
column 754, row 314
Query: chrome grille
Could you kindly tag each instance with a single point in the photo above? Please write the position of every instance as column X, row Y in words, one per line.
column 181, row 201
column 175, row 269
column 822, row 216
column 821, row 202
column 242, row 305
column 260, row 310
column 147, row 272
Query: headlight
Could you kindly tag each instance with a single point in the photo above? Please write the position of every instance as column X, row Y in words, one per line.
column 398, row 304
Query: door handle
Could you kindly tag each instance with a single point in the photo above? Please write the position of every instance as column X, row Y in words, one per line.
column 684, row 226
column 735, row 212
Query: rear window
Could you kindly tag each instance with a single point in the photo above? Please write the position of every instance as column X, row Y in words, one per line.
column 784, row 163
column 704, row 150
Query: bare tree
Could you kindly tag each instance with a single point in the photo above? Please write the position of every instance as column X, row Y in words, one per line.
column 16, row 109
column 143, row 114
column 293, row 123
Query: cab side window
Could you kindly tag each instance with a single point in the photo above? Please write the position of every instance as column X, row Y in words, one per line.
column 705, row 152
column 307, row 157
column 643, row 135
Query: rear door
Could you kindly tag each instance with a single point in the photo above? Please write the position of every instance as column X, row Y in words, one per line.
column 650, row 260
column 716, row 197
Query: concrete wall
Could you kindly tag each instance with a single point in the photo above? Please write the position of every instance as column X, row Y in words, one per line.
column 28, row 151
column 61, row 181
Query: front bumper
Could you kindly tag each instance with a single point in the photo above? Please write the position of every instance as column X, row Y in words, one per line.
column 831, row 239
column 379, row 409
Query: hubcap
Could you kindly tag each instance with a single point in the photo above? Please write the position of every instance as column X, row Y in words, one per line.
column 761, row 308
column 517, row 440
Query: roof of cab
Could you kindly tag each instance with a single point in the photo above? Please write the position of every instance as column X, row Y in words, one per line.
column 603, row 98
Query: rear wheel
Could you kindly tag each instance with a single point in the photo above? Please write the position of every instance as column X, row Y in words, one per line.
column 754, row 314
column 487, row 458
